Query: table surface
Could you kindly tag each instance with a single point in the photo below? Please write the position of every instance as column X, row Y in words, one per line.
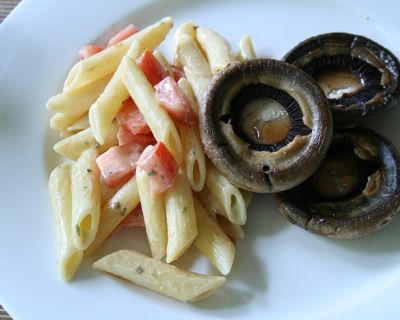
column 5, row 8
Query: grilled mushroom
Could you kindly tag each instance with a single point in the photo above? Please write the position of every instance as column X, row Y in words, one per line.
column 359, row 77
column 265, row 124
column 355, row 192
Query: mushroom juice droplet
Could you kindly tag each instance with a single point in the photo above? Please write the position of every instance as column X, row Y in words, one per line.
column 265, row 121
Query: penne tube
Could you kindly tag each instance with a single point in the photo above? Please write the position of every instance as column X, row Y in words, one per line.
column 186, row 29
column 216, row 48
column 79, row 125
column 226, row 194
column 116, row 209
column 68, row 256
column 106, row 62
column 247, row 197
column 61, row 121
column 153, row 208
column 106, row 107
column 72, row 147
column 212, row 241
column 157, row 118
column 189, row 55
column 78, row 102
column 246, row 49
column 198, row 83
column 193, row 154
column 163, row 61
column 232, row 230
column 85, row 188
column 159, row 276
column 181, row 218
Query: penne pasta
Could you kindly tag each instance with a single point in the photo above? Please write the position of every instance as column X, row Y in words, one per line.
column 247, row 197
column 198, row 82
column 85, row 188
column 106, row 62
column 192, row 149
column 163, row 61
column 186, row 29
column 212, row 241
column 246, row 49
column 232, row 230
column 79, row 125
column 68, row 256
column 181, row 218
column 226, row 194
column 153, row 208
column 216, row 48
column 158, row 276
column 72, row 147
column 116, row 209
column 78, row 102
column 61, row 121
column 157, row 118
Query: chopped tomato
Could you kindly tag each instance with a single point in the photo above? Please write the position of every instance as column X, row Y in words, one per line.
column 118, row 164
column 160, row 165
column 152, row 69
column 134, row 218
column 175, row 102
column 177, row 72
column 89, row 50
column 125, row 136
column 129, row 30
column 130, row 117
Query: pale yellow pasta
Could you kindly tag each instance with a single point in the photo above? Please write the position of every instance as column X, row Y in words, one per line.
column 189, row 55
column 185, row 29
column 212, row 241
column 217, row 49
column 81, row 124
column 198, row 82
column 181, row 217
column 157, row 118
column 106, row 62
column 232, row 230
column 247, row 197
column 153, row 208
column 193, row 154
column 61, row 121
column 227, row 195
column 72, row 147
column 163, row 61
column 68, row 256
column 116, row 209
column 78, row 102
column 85, row 188
column 246, row 49
column 158, row 276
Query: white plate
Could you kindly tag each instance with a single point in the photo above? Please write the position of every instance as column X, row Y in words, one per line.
column 281, row 271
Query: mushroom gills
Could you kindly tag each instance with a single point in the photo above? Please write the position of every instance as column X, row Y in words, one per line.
column 265, row 117
column 346, row 80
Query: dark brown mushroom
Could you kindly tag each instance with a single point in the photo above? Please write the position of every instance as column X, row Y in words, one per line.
column 265, row 124
column 359, row 77
column 355, row 191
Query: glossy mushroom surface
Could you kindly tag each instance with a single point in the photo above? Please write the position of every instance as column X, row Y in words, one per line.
column 355, row 191
column 265, row 124
column 359, row 77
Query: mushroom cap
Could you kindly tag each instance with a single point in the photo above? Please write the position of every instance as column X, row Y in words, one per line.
column 362, row 213
column 262, row 170
column 361, row 49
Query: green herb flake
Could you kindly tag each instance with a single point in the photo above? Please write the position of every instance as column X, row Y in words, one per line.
column 89, row 170
column 97, row 145
column 86, row 143
column 139, row 270
column 184, row 209
column 78, row 230
column 116, row 205
column 151, row 173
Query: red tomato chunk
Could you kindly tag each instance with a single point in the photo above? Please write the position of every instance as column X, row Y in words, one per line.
column 130, row 117
column 151, row 68
column 160, row 165
column 125, row 137
column 89, row 50
column 129, row 30
column 175, row 102
column 118, row 164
